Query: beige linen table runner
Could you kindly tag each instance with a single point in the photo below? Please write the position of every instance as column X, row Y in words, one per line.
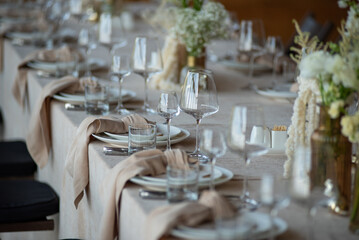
column 20, row 84
column 210, row 205
column 38, row 139
column 77, row 163
column 148, row 162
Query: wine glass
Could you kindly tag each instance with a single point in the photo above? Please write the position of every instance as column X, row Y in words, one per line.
column 312, row 183
column 251, row 41
column 248, row 137
column 146, row 61
column 199, row 99
column 86, row 40
column 213, row 145
column 168, row 108
column 120, row 69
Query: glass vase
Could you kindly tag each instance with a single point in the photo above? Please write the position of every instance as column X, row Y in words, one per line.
column 328, row 143
column 354, row 216
column 193, row 62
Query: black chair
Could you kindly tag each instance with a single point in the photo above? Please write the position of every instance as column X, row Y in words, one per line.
column 15, row 160
column 25, row 204
column 310, row 24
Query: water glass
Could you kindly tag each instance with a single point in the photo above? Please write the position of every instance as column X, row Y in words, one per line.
column 141, row 137
column 96, row 99
column 182, row 183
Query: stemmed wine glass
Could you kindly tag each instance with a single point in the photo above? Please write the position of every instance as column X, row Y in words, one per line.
column 248, row 137
column 251, row 41
column 312, row 183
column 86, row 40
column 146, row 61
column 199, row 99
column 120, row 68
column 213, row 145
column 168, row 108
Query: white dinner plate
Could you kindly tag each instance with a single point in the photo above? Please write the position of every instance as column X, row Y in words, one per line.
column 262, row 228
column 27, row 36
column 244, row 66
column 204, row 175
column 161, row 185
column 161, row 133
column 124, row 143
column 51, row 67
column 280, row 91
column 80, row 98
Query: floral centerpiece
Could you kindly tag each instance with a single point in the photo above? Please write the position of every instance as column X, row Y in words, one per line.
column 329, row 76
column 197, row 23
column 191, row 24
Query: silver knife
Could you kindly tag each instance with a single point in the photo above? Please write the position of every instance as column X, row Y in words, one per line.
column 115, row 151
column 74, row 107
column 149, row 194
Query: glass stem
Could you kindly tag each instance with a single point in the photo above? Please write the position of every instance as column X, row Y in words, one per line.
column 213, row 162
column 245, row 181
column 88, row 72
column 119, row 104
column 310, row 224
column 168, row 120
column 198, row 121
column 145, row 103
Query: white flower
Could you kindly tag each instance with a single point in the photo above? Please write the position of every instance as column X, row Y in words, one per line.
column 352, row 23
column 342, row 4
column 350, row 127
column 196, row 28
column 335, row 108
column 313, row 64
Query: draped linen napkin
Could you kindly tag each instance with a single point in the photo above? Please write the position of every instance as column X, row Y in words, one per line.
column 210, row 205
column 77, row 163
column 148, row 162
column 38, row 139
column 20, row 84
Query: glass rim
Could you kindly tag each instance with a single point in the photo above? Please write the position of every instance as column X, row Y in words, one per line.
column 142, row 126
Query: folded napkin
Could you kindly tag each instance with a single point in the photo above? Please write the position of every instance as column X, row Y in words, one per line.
column 210, row 205
column 38, row 138
column 20, row 84
column 77, row 157
column 148, row 162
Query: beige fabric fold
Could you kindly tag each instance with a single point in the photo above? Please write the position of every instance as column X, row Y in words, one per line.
column 38, row 138
column 77, row 158
column 149, row 162
column 211, row 204
column 20, row 84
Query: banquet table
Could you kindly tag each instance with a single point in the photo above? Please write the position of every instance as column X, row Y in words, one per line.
column 232, row 86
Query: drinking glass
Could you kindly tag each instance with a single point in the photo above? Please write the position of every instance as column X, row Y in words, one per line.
column 275, row 49
column 120, row 68
column 248, row 137
column 312, row 184
column 146, row 61
column 251, row 41
column 168, row 108
column 213, row 145
column 199, row 99
column 274, row 195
